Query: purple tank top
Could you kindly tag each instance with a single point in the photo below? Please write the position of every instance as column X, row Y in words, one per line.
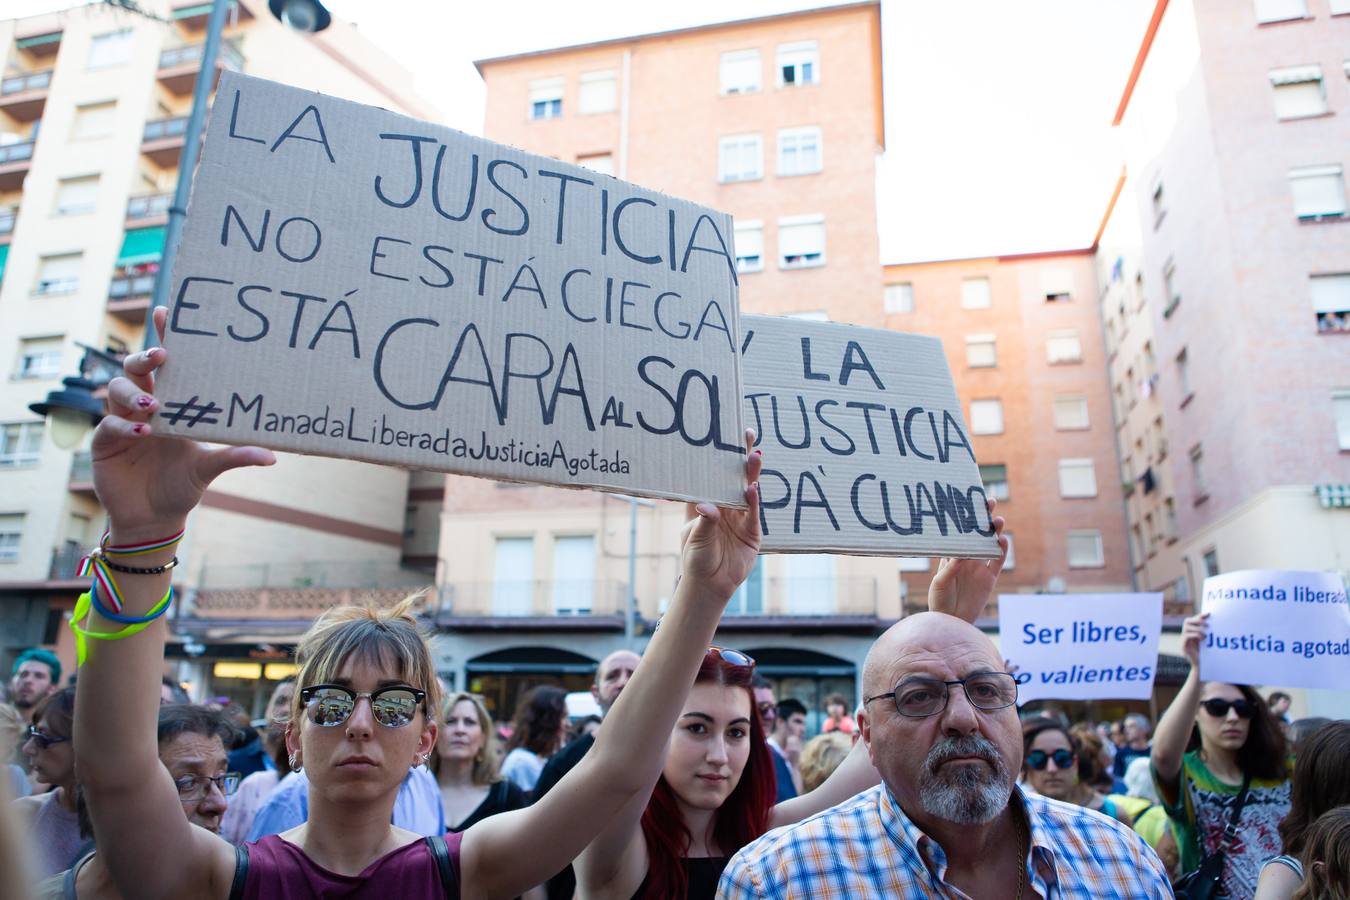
column 279, row 870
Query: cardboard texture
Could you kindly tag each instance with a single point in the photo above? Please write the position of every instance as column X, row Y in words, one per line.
column 866, row 452
column 355, row 283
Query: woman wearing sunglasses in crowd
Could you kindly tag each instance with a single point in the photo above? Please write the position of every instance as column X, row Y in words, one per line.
column 363, row 713
column 716, row 792
column 1213, row 740
column 50, row 819
column 1054, row 762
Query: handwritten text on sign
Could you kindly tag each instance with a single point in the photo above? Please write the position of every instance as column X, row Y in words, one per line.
column 1081, row 646
column 355, row 283
column 1284, row 628
column 866, row 450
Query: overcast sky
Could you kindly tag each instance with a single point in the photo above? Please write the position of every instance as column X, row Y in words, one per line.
column 997, row 111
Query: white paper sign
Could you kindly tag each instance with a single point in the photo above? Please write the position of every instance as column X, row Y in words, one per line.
column 1277, row 627
column 1081, row 646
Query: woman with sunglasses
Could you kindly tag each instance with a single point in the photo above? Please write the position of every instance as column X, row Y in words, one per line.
column 1215, row 740
column 1054, row 762
column 716, row 791
column 50, row 819
column 363, row 713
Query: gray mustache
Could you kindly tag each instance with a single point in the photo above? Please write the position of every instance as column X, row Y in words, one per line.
column 966, row 745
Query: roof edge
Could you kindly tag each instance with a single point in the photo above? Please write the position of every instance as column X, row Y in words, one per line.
column 816, row 10
column 1149, row 34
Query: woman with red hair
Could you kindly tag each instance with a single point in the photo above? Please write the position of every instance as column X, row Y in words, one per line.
column 717, row 788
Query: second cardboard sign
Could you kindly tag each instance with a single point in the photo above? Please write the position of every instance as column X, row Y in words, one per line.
column 866, row 449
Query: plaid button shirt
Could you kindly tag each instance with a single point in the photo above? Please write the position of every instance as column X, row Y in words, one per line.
column 867, row 847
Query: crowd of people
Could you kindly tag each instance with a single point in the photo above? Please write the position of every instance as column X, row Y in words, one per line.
column 366, row 778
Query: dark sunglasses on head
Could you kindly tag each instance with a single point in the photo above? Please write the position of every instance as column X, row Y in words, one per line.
column 1219, row 708
column 43, row 739
column 330, row 705
column 1038, row 759
column 733, row 659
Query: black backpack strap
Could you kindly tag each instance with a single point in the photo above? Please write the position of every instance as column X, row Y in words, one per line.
column 240, row 873
column 444, row 865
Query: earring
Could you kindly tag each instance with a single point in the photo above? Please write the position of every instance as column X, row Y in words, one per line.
column 293, row 763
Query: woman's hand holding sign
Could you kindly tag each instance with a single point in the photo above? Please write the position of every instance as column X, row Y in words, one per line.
column 719, row 546
column 149, row 484
column 962, row 587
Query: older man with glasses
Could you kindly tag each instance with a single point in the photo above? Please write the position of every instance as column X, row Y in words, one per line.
column 940, row 723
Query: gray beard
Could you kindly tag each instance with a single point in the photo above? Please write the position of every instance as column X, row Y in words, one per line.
column 966, row 795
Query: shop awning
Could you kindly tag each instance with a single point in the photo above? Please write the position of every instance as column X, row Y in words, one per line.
column 142, row 245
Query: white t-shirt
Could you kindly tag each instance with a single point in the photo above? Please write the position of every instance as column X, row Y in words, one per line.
column 522, row 768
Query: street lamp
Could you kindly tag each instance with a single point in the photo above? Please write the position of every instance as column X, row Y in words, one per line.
column 303, row 15
column 73, row 411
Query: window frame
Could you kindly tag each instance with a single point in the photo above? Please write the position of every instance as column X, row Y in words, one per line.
column 1333, row 171
column 596, row 77
column 128, row 39
column 1268, row 19
column 733, row 56
column 1070, row 464
column 1291, row 76
column 546, row 96
column 58, row 204
column 799, row 133
column 25, row 372
column 986, row 404
column 786, row 222
column 1082, row 401
column 990, row 489
column 986, row 339
column 1095, row 534
column 15, row 457
column 748, row 226
column 905, row 290
column 809, row 49
column 734, row 143
column 52, row 287
column 1063, row 334
column 988, row 300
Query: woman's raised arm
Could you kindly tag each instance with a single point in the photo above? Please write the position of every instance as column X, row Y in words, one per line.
column 506, row 854
column 148, row 485
column 1174, row 728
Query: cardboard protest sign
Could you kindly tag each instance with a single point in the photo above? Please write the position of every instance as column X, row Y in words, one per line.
column 1285, row 628
column 355, row 283
column 866, row 451
column 1081, row 646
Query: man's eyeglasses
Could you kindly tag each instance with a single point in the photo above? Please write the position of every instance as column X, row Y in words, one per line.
column 1039, row 759
column 918, row 698
column 1218, row 708
column 196, row 787
column 329, row 705
column 734, row 659
column 44, row 740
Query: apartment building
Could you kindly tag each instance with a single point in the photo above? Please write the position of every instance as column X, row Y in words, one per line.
column 1024, row 344
column 93, row 111
column 1224, row 277
column 778, row 121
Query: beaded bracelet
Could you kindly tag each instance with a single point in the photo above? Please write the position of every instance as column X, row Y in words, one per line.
column 85, row 606
column 132, row 570
column 98, row 563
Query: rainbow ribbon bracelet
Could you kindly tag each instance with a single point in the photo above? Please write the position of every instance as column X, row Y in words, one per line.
column 94, row 564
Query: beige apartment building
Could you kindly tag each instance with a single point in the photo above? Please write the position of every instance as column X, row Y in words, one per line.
column 778, row 121
column 93, row 110
column 1224, row 276
column 1024, row 344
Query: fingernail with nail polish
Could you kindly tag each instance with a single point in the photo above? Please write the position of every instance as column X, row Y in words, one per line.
column 145, row 402
column 141, row 429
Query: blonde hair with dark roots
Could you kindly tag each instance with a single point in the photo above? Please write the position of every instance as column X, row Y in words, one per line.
column 487, row 764
column 387, row 638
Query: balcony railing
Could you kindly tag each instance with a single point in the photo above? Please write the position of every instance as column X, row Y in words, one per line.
column 228, row 56
column 7, row 220
column 161, row 129
column 149, row 206
column 131, row 286
column 301, row 590
column 65, row 562
column 532, row 598
column 18, row 152
column 18, row 84
column 81, row 472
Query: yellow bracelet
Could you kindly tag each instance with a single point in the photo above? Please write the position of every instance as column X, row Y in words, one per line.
column 84, row 609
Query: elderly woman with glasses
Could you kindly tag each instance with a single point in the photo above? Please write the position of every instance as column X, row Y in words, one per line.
column 50, row 818
column 1218, row 749
column 365, row 711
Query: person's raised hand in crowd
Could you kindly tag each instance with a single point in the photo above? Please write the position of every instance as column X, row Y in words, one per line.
column 962, row 587
column 149, row 484
column 719, row 545
column 1194, row 630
